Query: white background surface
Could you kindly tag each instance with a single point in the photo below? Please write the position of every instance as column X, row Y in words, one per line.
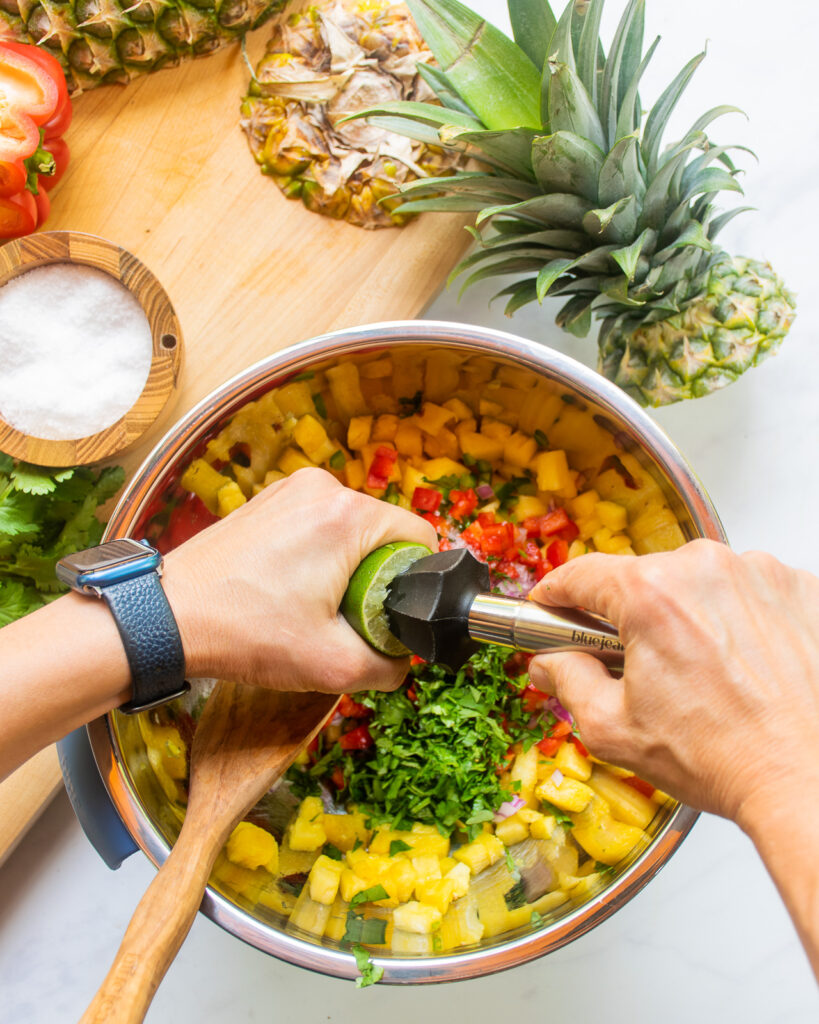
column 708, row 939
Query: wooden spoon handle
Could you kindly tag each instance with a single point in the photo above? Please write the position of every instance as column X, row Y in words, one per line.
column 158, row 928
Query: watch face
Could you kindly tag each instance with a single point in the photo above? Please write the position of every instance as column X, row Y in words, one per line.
column 106, row 556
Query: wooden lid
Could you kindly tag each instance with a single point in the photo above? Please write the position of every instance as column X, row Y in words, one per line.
column 47, row 247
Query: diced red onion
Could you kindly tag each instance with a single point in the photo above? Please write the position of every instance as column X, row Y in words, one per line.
column 485, row 491
column 557, row 777
column 557, row 709
column 509, row 808
column 337, row 719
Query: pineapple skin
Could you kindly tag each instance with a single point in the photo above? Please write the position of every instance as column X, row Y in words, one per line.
column 738, row 321
column 101, row 42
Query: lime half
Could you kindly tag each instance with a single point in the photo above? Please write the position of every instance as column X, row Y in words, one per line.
column 363, row 603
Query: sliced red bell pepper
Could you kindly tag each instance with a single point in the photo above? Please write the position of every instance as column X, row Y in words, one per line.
column 533, row 698
column 574, row 738
column 532, row 526
column 427, row 499
column 18, row 215
column 444, row 544
column 337, row 778
column 486, row 519
column 529, row 554
column 549, row 746
column 378, row 476
column 43, row 204
column 356, row 739
column 13, row 176
column 507, row 569
column 570, row 532
column 49, row 63
column 496, row 539
column 560, row 728
column 30, row 98
column 542, row 567
column 473, row 533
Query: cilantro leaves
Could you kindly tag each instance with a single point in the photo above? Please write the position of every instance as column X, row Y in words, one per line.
column 369, row 973
column 45, row 514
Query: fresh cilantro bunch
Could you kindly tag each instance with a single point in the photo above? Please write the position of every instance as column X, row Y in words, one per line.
column 435, row 758
column 45, row 514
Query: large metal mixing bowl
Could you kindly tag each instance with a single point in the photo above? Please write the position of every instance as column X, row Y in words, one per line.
column 116, row 741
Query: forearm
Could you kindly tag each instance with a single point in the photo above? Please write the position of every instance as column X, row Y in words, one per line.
column 785, row 830
column 61, row 666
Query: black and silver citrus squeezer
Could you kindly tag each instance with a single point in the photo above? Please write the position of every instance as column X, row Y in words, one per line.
column 442, row 609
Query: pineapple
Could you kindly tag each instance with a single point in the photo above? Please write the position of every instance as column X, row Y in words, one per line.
column 576, row 196
column 103, row 41
column 322, row 65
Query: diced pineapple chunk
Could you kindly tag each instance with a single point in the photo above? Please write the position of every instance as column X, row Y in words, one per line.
column 206, row 482
column 542, row 827
column 442, row 374
column 378, row 369
column 524, row 770
column 427, row 867
column 345, row 830
column 252, row 847
column 433, row 418
column 312, row 438
column 512, row 830
column 496, row 429
column 418, row 918
column 601, row 835
column 459, row 875
column 482, row 852
column 552, row 470
column 410, row 479
column 358, row 432
column 480, row 446
column 460, row 409
column 403, row 878
column 345, row 387
column 385, row 427
column 295, row 399
column 626, row 803
column 461, row 925
column 584, row 505
column 435, row 469
column 352, row 884
column 409, row 439
column 324, row 879
column 612, row 515
column 306, row 832
column 229, row 498
column 576, row 549
column 519, row 449
column 570, row 795
column 290, row 460
column 444, row 443
column 572, row 763
column 529, row 506
column 427, row 840
column 309, row 915
column 435, row 892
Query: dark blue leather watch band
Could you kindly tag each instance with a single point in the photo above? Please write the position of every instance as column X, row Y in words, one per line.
column 151, row 640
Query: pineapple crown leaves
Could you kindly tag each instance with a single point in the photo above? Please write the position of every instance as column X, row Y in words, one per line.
column 576, row 190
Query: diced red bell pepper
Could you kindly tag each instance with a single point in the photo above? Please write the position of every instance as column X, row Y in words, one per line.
column 533, row 698
column 337, row 778
column 529, row 554
column 581, row 748
column 187, row 519
column 557, row 552
column 349, row 708
column 640, row 785
column 496, row 539
column 427, row 499
column 437, row 521
column 356, row 739
column 570, row 532
column 415, row 660
column 553, row 522
column 313, row 745
column 542, row 567
column 444, row 544
column 532, row 526
column 473, row 534
column 486, row 519
column 411, row 694
column 378, row 476
column 560, row 728
column 549, row 746
column 463, row 503
column 507, row 569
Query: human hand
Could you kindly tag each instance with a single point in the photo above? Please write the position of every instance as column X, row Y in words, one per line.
column 719, row 701
column 257, row 595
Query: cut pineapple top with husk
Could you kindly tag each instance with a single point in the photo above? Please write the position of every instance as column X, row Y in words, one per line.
column 323, row 64
column 577, row 195
column 99, row 42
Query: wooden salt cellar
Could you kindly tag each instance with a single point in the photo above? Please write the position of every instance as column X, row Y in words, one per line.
column 46, row 247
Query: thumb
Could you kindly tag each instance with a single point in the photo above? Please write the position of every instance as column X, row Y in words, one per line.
column 593, row 697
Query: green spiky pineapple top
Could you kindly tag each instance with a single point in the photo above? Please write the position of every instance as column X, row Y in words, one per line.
column 578, row 197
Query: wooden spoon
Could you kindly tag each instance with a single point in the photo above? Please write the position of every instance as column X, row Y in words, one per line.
column 246, row 738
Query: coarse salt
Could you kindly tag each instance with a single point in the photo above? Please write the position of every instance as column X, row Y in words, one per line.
column 75, row 351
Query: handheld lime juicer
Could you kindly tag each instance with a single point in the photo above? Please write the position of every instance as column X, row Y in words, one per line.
column 439, row 606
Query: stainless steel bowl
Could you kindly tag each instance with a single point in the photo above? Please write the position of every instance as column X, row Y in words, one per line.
column 116, row 741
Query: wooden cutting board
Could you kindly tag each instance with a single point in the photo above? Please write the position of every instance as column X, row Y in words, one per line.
column 162, row 168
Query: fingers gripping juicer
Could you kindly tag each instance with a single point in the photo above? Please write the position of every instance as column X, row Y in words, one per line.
column 442, row 610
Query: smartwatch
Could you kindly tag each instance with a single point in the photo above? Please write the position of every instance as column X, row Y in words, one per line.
column 126, row 575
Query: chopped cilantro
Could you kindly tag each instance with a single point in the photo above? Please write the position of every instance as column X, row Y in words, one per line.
column 433, row 759
column 375, row 892
column 604, row 869
column 337, row 460
column 541, row 439
column 332, row 851
column 302, row 783
column 561, row 816
column 398, row 846
column 321, row 408
column 409, row 406
column 369, row 973
column 392, row 494
column 515, row 897
column 371, row 930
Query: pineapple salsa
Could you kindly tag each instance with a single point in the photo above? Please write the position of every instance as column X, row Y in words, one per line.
column 463, row 805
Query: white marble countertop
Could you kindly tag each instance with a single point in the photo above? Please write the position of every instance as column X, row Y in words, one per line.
column 708, row 939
